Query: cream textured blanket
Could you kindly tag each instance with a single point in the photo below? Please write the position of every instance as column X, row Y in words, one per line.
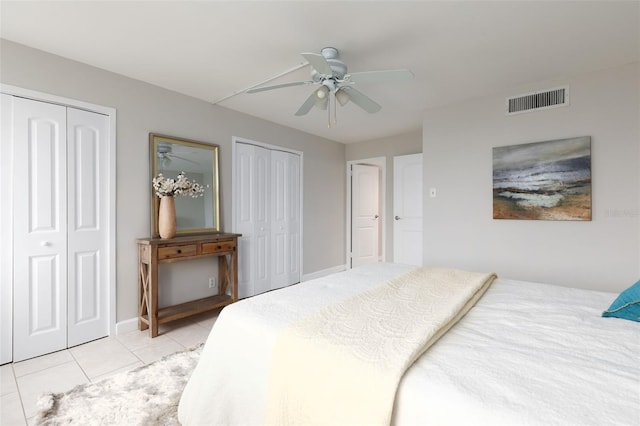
column 342, row 364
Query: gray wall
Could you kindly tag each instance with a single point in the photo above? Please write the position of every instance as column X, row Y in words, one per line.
column 143, row 108
column 409, row 143
column 459, row 230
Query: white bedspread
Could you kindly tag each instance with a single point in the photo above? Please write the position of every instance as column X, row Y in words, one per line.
column 363, row 346
column 526, row 354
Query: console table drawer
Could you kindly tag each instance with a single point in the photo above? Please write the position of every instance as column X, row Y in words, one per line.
column 177, row 251
column 218, row 247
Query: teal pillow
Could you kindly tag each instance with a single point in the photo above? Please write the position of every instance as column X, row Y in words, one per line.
column 626, row 305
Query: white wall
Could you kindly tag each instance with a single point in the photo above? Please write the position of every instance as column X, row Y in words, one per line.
column 143, row 108
column 459, row 231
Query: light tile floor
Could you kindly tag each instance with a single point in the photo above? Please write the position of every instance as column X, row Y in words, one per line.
column 22, row 383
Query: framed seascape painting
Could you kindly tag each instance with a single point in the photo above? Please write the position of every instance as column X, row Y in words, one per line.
column 548, row 180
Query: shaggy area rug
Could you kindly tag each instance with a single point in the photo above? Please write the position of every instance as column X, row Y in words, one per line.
column 148, row 395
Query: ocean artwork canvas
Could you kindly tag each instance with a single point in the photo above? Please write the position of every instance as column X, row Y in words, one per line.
column 548, row 180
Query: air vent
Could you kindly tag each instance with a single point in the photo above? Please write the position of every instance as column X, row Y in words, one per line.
column 538, row 100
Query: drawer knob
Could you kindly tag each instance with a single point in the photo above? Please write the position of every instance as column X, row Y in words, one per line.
column 179, row 251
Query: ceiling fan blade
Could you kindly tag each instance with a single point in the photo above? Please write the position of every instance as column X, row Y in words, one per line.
column 278, row 86
column 385, row 75
column 360, row 99
column 318, row 62
column 181, row 158
column 307, row 105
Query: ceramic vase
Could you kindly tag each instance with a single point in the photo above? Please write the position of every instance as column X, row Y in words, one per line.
column 167, row 217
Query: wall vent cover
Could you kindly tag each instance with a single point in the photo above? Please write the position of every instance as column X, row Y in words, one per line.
column 536, row 101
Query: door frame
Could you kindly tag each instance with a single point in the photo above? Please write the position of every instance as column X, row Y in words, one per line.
column 380, row 162
column 234, row 189
column 6, row 218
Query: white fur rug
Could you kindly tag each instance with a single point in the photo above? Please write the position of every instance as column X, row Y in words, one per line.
column 148, row 395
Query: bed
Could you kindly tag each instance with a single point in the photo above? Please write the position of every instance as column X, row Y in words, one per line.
column 525, row 354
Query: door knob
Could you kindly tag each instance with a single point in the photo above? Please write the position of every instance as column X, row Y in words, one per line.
column 397, row 218
column 375, row 217
column 45, row 244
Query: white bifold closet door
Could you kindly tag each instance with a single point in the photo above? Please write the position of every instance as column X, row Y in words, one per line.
column 267, row 214
column 60, row 227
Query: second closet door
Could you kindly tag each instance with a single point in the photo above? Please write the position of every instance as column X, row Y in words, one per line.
column 268, row 217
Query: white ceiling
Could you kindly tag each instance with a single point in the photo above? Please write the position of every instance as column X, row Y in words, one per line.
column 212, row 49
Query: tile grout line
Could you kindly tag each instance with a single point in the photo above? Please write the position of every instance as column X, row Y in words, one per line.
column 15, row 380
column 74, row 360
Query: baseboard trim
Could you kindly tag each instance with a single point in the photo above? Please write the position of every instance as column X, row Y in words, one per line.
column 324, row 272
column 127, row 326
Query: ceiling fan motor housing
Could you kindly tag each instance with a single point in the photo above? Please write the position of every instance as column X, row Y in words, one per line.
column 164, row 148
column 338, row 68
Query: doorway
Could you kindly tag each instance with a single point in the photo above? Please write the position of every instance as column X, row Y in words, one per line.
column 366, row 188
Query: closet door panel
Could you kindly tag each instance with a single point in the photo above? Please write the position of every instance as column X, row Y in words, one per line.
column 279, row 242
column 6, row 229
column 262, row 224
column 244, row 217
column 294, row 222
column 252, row 218
column 40, row 233
column 87, row 139
column 285, row 189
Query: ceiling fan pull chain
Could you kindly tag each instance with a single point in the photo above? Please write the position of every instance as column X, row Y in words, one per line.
column 328, row 113
column 335, row 108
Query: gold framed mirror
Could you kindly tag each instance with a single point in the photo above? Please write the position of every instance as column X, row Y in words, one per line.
column 199, row 162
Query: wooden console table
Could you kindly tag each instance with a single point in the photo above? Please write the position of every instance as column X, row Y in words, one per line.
column 152, row 251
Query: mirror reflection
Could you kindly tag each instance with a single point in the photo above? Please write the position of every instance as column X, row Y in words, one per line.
column 199, row 162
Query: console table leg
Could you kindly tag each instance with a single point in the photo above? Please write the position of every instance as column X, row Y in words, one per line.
column 222, row 274
column 234, row 275
column 153, row 299
column 143, row 294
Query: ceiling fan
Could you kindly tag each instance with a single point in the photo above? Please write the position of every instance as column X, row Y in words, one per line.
column 165, row 154
column 336, row 83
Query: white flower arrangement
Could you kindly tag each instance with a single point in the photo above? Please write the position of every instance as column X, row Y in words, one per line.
column 165, row 187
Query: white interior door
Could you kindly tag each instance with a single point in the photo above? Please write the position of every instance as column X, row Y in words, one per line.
column 40, row 230
column 6, row 230
column 88, row 144
column 285, row 218
column 294, row 219
column 407, row 206
column 243, row 176
column 252, row 174
column 365, row 214
column 262, row 223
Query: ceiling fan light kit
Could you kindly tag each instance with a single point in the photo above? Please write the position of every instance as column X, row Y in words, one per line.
column 336, row 84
